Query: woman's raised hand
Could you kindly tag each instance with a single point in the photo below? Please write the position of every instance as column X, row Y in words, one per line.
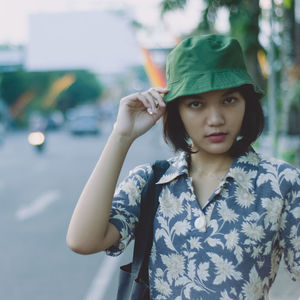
column 139, row 112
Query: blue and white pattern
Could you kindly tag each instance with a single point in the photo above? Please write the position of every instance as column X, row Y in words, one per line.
column 229, row 249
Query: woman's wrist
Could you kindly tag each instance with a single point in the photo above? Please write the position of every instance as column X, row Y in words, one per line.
column 121, row 137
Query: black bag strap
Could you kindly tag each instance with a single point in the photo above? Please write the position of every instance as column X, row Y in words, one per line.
column 144, row 228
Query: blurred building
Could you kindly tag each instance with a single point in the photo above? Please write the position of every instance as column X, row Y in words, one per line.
column 101, row 41
column 11, row 58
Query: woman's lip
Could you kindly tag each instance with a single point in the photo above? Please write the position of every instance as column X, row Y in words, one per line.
column 217, row 138
column 217, row 134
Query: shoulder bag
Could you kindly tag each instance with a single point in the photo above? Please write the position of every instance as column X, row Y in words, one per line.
column 133, row 278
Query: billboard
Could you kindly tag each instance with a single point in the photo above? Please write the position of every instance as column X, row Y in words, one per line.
column 101, row 41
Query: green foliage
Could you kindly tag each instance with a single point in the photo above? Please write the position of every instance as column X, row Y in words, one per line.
column 288, row 3
column 85, row 88
column 296, row 93
column 9, row 47
column 244, row 25
column 136, row 25
column 289, row 156
column 170, row 5
column 14, row 84
column 244, row 15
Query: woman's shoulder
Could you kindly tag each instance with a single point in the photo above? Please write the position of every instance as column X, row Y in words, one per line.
column 145, row 170
column 286, row 174
column 141, row 170
column 277, row 164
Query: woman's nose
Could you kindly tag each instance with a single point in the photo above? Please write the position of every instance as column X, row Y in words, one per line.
column 215, row 117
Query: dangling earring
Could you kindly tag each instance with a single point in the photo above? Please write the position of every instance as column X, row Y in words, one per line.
column 238, row 138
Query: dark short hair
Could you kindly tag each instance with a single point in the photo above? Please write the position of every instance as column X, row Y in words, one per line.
column 252, row 126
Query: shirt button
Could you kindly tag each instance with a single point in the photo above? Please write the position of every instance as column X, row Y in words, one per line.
column 200, row 224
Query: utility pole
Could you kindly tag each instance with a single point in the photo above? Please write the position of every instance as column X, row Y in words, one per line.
column 297, row 31
column 272, row 121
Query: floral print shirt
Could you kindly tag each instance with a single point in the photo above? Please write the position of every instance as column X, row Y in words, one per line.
column 228, row 249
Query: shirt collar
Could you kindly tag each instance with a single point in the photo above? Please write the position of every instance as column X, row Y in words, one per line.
column 178, row 167
column 243, row 169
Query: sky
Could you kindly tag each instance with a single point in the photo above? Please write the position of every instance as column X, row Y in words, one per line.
column 14, row 16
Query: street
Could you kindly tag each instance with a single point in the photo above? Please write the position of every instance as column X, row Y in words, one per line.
column 38, row 195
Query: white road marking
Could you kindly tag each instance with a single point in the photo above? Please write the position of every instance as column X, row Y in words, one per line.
column 2, row 185
column 38, row 205
column 102, row 280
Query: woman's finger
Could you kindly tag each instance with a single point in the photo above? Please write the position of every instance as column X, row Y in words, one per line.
column 157, row 97
column 131, row 100
column 148, row 103
column 151, row 100
column 161, row 90
column 155, row 94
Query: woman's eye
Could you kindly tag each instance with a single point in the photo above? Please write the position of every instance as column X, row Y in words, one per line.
column 195, row 104
column 230, row 100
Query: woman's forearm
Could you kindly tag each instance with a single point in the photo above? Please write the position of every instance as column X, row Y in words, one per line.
column 89, row 230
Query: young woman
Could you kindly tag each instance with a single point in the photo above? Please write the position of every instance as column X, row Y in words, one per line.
column 226, row 214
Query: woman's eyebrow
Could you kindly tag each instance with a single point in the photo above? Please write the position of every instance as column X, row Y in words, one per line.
column 199, row 97
column 196, row 97
column 192, row 98
column 231, row 91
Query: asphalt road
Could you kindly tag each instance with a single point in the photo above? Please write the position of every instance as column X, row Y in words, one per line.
column 38, row 194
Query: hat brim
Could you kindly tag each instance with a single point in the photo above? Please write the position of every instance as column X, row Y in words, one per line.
column 209, row 81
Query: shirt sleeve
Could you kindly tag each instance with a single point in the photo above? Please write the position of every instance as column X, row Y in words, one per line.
column 126, row 206
column 290, row 224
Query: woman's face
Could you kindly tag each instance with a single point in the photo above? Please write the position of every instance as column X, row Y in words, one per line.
column 213, row 119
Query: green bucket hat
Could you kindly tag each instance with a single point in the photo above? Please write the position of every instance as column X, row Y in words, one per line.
column 205, row 63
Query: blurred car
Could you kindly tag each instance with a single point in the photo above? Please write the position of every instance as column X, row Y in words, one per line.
column 84, row 124
column 55, row 121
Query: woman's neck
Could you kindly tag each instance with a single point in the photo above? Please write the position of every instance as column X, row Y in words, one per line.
column 203, row 164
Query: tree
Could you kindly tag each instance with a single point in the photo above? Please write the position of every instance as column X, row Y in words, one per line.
column 46, row 91
column 85, row 88
column 244, row 25
column 13, row 85
column 290, row 66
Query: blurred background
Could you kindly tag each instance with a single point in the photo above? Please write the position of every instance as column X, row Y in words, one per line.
column 64, row 66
